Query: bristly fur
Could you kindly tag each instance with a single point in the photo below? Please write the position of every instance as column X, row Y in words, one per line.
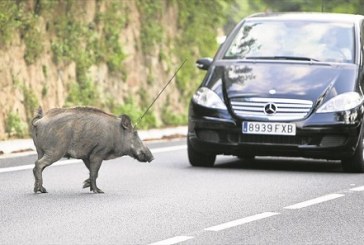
column 80, row 109
column 90, row 109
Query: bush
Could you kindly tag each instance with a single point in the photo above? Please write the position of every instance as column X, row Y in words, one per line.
column 135, row 112
column 151, row 31
column 14, row 126
column 9, row 22
column 30, row 101
column 171, row 118
column 83, row 93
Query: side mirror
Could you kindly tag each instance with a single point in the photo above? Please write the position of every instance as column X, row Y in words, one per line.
column 204, row 63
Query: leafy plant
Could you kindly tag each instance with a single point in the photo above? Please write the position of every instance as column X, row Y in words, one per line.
column 109, row 48
column 14, row 126
column 9, row 22
column 45, row 90
column 151, row 31
column 130, row 108
column 15, row 18
column 83, row 94
column 171, row 118
column 30, row 101
column 32, row 38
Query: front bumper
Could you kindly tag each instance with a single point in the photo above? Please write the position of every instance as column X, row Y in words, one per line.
column 327, row 136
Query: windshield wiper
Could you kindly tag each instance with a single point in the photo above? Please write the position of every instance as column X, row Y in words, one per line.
column 281, row 58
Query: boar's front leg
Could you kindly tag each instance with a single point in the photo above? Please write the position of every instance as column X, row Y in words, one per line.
column 95, row 164
column 87, row 182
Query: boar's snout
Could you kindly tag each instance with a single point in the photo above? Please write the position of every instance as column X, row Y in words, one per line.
column 138, row 150
column 145, row 155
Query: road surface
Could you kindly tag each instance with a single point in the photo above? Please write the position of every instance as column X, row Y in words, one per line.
column 261, row 201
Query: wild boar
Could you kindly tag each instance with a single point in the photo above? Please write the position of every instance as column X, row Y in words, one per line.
column 83, row 133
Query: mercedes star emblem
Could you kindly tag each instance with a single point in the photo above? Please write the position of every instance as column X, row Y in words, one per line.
column 270, row 109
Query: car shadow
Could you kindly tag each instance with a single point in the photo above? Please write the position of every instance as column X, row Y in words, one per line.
column 281, row 164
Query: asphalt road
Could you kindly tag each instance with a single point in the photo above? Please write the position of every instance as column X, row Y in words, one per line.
column 262, row 201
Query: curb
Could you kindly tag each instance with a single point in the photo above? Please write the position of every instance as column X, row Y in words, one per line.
column 27, row 145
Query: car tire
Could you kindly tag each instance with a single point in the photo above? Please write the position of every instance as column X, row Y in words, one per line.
column 355, row 164
column 199, row 159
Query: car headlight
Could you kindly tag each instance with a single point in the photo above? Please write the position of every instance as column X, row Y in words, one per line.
column 206, row 97
column 342, row 102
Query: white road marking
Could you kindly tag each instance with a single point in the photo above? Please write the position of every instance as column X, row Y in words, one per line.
column 25, row 167
column 359, row 188
column 314, row 201
column 13, row 169
column 241, row 221
column 173, row 240
column 18, row 154
column 73, row 161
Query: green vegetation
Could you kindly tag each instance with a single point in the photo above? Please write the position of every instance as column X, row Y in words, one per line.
column 108, row 47
column 200, row 24
column 151, row 31
column 32, row 37
column 14, row 19
column 171, row 118
column 14, row 126
column 30, row 102
column 130, row 108
column 9, row 24
column 88, row 44
column 45, row 90
column 83, row 93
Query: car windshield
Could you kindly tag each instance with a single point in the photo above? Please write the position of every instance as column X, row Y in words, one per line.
column 297, row 40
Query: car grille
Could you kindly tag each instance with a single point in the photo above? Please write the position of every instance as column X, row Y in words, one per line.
column 275, row 109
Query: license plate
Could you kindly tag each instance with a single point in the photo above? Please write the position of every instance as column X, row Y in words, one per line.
column 269, row 128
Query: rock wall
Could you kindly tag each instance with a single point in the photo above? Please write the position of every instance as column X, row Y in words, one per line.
column 45, row 82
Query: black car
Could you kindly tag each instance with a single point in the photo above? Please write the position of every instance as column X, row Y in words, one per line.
column 283, row 84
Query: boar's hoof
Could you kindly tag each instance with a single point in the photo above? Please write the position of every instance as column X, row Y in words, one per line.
column 41, row 189
column 87, row 183
column 97, row 190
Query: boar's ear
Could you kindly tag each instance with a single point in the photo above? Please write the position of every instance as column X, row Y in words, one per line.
column 126, row 122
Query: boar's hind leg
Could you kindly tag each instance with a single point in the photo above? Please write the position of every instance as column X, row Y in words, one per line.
column 40, row 165
column 87, row 183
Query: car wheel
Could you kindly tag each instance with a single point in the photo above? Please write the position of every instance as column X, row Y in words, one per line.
column 355, row 164
column 199, row 159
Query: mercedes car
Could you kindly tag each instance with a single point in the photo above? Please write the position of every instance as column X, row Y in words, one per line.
column 283, row 84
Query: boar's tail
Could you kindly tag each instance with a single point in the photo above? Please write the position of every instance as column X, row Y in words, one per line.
column 38, row 116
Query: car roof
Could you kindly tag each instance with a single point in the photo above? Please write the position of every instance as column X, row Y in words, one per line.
column 312, row 16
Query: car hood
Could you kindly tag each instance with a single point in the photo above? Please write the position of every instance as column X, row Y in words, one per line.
column 304, row 81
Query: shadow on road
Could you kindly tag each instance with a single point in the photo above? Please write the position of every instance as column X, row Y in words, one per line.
column 281, row 164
